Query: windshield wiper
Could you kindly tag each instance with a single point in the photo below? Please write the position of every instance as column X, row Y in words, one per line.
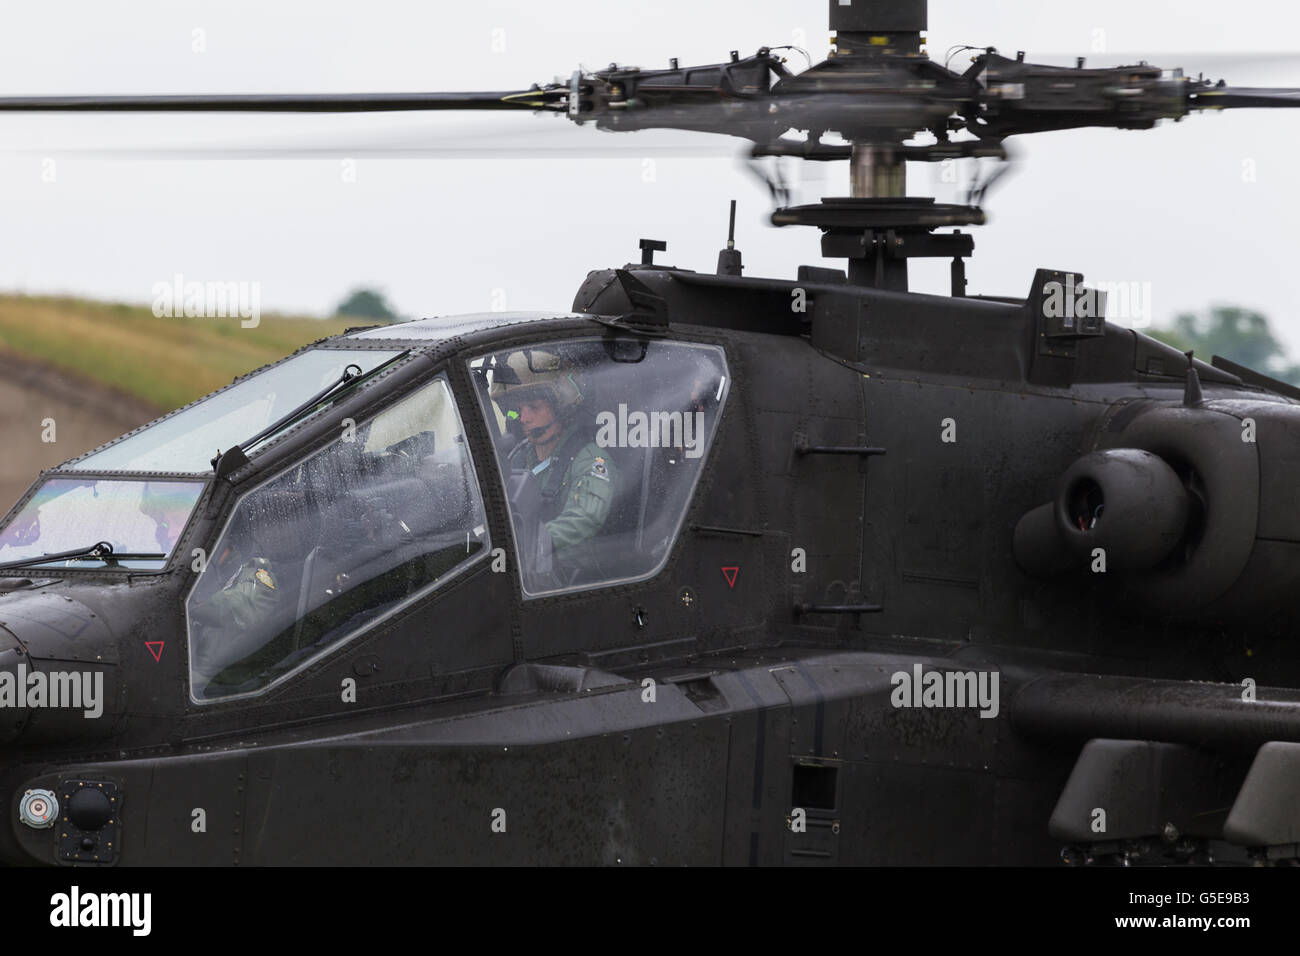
column 236, row 455
column 347, row 376
column 100, row 551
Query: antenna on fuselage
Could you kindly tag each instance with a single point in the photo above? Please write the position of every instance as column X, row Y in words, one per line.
column 729, row 262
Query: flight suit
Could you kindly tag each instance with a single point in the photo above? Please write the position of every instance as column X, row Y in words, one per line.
column 245, row 602
column 577, row 486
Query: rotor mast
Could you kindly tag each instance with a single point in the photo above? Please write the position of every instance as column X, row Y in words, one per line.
column 878, row 229
column 875, row 27
column 877, row 172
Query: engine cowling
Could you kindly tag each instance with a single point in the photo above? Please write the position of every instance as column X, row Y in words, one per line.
column 1172, row 497
column 1126, row 501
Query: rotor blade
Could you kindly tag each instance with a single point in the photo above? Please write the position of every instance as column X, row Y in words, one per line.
column 1237, row 97
column 404, row 136
column 276, row 102
column 413, row 134
column 1266, row 68
column 181, row 153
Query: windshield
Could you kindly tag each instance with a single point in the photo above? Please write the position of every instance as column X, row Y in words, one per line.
column 135, row 517
column 335, row 544
column 189, row 440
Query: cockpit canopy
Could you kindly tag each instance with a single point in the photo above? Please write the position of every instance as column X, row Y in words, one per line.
column 141, row 520
column 600, row 445
column 187, row 441
column 335, row 544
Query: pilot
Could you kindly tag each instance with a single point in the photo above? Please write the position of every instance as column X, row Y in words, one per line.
column 576, row 479
column 251, row 593
column 237, row 620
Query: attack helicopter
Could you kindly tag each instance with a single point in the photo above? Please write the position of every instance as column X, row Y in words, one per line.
column 704, row 568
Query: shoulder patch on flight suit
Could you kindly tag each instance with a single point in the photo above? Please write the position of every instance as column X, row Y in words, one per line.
column 263, row 576
column 599, row 470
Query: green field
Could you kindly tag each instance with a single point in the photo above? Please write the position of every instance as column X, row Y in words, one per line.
column 164, row 361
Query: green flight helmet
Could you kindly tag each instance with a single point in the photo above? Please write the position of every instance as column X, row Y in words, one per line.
column 532, row 374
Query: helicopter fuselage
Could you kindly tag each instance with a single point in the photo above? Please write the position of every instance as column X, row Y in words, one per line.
column 823, row 664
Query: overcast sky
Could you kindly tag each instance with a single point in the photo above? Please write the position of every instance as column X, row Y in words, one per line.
column 520, row 224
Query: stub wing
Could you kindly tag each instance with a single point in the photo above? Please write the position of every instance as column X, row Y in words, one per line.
column 1197, row 771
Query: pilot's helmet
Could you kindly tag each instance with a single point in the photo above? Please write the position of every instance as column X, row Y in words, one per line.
column 532, row 374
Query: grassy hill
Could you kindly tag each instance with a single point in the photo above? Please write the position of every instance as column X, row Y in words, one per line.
column 163, row 361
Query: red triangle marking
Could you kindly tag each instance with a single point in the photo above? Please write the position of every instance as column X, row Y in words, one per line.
column 155, row 648
column 730, row 575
